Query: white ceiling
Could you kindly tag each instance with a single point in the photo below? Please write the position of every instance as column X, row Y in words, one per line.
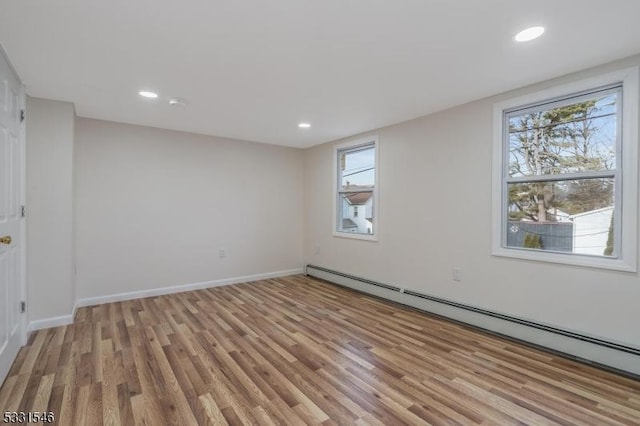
column 253, row 69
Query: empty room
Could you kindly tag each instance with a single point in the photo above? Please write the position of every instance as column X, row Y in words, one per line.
column 336, row 212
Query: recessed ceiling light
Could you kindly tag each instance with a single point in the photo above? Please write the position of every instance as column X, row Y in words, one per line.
column 529, row 34
column 304, row 125
column 177, row 102
column 147, row 94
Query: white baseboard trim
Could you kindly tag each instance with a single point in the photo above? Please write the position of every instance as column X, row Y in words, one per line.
column 119, row 297
column 621, row 357
column 160, row 291
column 50, row 322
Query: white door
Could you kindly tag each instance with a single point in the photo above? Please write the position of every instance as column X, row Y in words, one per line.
column 12, row 322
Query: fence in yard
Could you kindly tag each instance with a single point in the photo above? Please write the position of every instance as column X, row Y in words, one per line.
column 556, row 236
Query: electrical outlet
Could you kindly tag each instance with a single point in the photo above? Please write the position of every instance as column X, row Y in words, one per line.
column 457, row 273
column 222, row 252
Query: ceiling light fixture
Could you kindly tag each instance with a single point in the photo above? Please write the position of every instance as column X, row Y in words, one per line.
column 147, row 94
column 178, row 102
column 304, row 125
column 529, row 34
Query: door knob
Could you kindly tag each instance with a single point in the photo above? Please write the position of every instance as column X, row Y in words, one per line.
column 6, row 239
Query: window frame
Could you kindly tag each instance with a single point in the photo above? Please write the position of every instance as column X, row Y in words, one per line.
column 626, row 174
column 370, row 140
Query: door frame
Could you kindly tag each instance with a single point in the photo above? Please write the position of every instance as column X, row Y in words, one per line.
column 22, row 106
column 23, row 202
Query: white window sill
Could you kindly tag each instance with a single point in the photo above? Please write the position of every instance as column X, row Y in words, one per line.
column 353, row 236
column 566, row 259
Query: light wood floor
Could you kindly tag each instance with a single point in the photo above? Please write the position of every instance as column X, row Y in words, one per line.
column 296, row 350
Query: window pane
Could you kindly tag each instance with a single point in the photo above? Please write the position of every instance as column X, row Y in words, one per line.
column 356, row 179
column 575, row 216
column 356, row 212
column 357, row 168
column 571, row 138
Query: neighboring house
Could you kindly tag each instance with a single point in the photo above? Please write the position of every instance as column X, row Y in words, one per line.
column 357, row 212
column 591, row 230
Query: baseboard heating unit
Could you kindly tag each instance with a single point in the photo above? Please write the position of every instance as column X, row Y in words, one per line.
column 621, row 358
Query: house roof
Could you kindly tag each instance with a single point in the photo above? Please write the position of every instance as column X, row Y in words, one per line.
column 357, row 194
column 359, row 197
column 591, row 212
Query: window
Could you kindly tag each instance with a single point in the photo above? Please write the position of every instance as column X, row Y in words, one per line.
column 356, row 189
column 565, row 174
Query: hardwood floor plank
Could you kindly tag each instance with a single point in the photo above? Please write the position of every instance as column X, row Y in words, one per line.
column 110, row 404
column 80, row 416
column 297, row 350
column 214, row 414
column 125, row 409
column 6, row 390
column 31, row 356
column 41, row 400
column 64, row 414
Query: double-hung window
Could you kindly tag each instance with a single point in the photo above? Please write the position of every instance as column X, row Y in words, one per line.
column 565, row 174
column 355, row 183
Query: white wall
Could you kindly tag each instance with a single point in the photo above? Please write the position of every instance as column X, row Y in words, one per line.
column 49, row 150
column 155, row 206
column 442, row 162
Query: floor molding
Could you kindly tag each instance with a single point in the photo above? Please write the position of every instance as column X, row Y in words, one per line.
column 160, row 291
column 50, row 322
